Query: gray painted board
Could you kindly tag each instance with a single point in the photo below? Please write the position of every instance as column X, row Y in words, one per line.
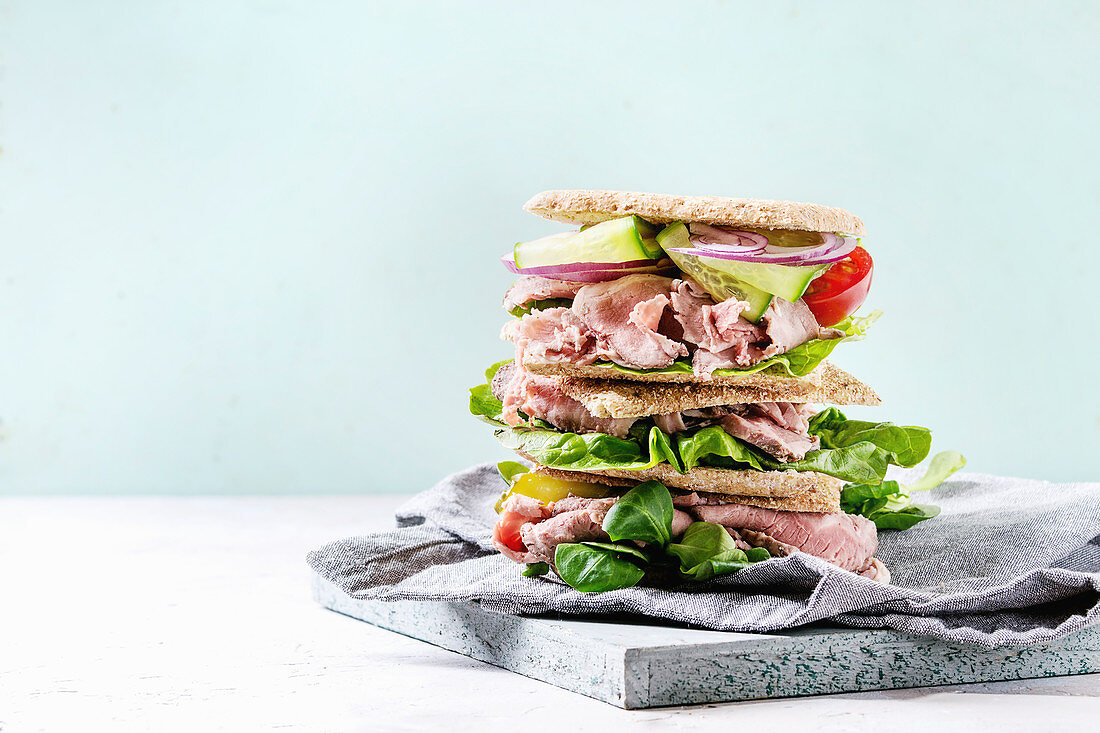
column 635, row 665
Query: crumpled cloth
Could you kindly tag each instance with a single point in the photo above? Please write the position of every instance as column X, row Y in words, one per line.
column 1008, row 562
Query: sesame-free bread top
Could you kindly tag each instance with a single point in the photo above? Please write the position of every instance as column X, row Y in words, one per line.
column 620, row 398
column 590, row 207
column 800, row 491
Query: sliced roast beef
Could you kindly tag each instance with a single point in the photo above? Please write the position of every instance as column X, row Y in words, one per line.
column 759, row 539
column 846, row 540
column 713, row 326
column 777, row 428
column 541, row 397
column 788, row 325
column 625, row 316
column 572, row 519
column 531, row 288
column 671, row 423
column 738, row 540
column 877, row 571
column 783, row 326
column 526, row 508
column 555, row 335
column 649, row 321
column 576, row 520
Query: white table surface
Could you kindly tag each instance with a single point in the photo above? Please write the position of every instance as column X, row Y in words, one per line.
column 152, row 614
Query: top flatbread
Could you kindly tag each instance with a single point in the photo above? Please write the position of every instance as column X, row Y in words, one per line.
column 590, row 207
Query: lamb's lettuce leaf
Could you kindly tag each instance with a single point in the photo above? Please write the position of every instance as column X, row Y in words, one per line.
column 644, row 515
column 706, row 550
column 535, row 569
column 595, row 569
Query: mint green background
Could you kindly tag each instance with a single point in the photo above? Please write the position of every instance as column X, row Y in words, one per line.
column 251, row 247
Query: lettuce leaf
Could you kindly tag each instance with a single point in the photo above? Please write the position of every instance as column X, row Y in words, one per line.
column 888, row 504
column 540, row 305
column 591, row 451
column 903, row 446
column 798, row 362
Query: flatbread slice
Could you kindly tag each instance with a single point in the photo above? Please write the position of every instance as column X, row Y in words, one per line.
column 591, row 207
column 620, row 398
column 797, row 491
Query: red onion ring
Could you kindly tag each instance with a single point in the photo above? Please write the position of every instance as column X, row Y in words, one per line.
column 581, row 272
column 834, row 249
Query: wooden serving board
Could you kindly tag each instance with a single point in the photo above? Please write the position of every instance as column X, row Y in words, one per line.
column 635, row 665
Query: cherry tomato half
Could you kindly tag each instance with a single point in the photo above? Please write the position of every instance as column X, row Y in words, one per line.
column 841, row 290
column 506, row 530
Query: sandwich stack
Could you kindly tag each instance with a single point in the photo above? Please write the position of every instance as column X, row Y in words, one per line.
column 672, row 398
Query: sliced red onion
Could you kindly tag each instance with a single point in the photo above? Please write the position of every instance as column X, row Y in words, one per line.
column 581, row 272
column 834, row 249
column 706, row 236
column 597, row 276
column 743, row 245
column 759, row 239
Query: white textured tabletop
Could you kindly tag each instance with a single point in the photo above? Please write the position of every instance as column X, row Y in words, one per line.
column 194, row 614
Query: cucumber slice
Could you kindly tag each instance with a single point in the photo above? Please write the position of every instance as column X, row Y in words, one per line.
column 617, row 240
column 719, row 284
column 787, row 281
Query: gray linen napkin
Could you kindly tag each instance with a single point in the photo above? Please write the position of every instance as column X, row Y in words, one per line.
column 1009, row 562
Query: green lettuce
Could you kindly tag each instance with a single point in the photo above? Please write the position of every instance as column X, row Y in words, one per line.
column 644, row 516
column 540, row 305
column 591, row 451
column 888, row 504
column 861, row 455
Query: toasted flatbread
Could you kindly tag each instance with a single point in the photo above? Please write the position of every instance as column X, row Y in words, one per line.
column 762, row 380
column 619, row 398
column 804, row 491
column 590, row 207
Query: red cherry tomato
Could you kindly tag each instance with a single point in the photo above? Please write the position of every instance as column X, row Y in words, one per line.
column 506, row 530
column 841, row 290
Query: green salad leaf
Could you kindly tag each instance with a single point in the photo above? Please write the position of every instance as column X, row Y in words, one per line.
column 595, row 569
column 940, row 468
column 902, row 446
column 590, row 451
column 540, row 305
column 888, row 504
column 535, row 569
column 512, row 470
column 644, row 515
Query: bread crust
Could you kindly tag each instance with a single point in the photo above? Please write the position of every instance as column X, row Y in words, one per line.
column 801, row 491
column 589, row 207
column 620, row 398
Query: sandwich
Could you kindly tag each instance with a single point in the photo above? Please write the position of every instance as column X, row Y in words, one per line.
column 672, row 394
